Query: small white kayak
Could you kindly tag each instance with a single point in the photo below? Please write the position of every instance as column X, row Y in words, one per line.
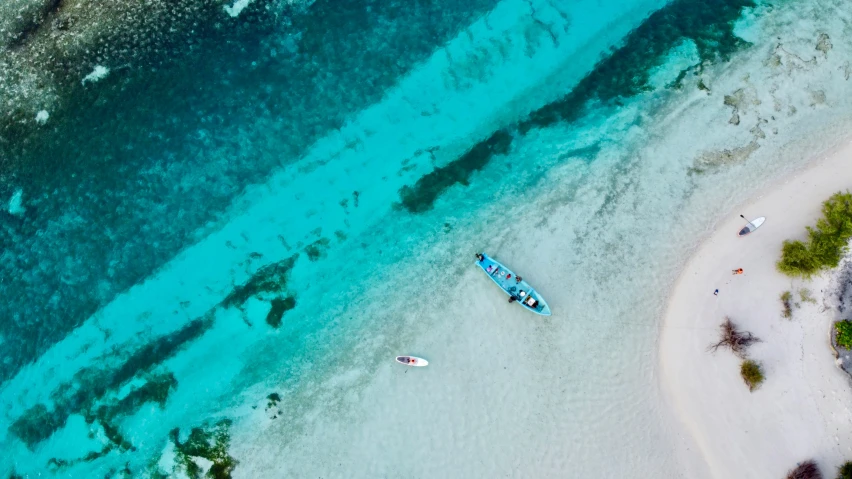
column 751, row 226
column 411, row 361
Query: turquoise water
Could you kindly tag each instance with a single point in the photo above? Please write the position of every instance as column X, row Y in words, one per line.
column 200, row 241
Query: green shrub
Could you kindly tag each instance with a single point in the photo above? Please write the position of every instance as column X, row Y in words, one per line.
column 826, row 242
column 844, row 333
column 797, row 260
column 787, row 301
column 845, row 471
column 752, row 374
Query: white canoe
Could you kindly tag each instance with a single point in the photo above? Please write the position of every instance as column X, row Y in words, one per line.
column 412, row 361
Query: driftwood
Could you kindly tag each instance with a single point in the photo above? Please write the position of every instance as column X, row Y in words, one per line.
column 805, row 470
column 731, row 337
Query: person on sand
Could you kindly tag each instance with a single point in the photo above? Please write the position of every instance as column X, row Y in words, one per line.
column 737, row 271
column 513, row 298
column 716, row 293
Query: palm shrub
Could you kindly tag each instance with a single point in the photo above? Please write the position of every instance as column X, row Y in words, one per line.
column 845, row 471
column 752, row 374
column 826, row 241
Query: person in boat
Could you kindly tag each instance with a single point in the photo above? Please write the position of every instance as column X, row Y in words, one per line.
column 531, row 302
column 480, row 257
column 517, row 279
column 489, row 268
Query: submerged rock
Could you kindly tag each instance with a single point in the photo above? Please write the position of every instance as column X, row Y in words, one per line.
column 823, row 43
column 16, row 203
column 716, row 159
column 735, row 119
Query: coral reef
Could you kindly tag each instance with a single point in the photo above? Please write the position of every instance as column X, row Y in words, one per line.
column 207, row 442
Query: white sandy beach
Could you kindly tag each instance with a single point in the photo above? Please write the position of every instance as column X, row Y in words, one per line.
column 802, row 411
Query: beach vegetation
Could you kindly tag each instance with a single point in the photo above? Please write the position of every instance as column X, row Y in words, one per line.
column 787, row 302
column 844, row 333
column 845, row 471
column 731, row 337
column 805, row 470
column 826, row 243
column 752, row 374
column 805, row 296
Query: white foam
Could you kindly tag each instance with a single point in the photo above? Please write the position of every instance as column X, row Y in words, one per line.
column 238, row 6
column 42, row 116
column 99, row 73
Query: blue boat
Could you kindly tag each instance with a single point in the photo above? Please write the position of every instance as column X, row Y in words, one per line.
column 513, row 285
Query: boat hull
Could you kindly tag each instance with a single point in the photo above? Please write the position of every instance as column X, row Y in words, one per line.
column 507, row 281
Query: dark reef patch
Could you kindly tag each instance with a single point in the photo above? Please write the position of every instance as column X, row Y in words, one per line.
column 208, row 442
column 156, row 389
column 159, row 350
column 624, row 73
column 278, row 308
column 708, row 23
column 271, row 278
column 88, row 386
column 317, row 249
column 421, row 197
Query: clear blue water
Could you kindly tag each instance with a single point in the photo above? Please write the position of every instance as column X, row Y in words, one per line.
column 197, row 238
